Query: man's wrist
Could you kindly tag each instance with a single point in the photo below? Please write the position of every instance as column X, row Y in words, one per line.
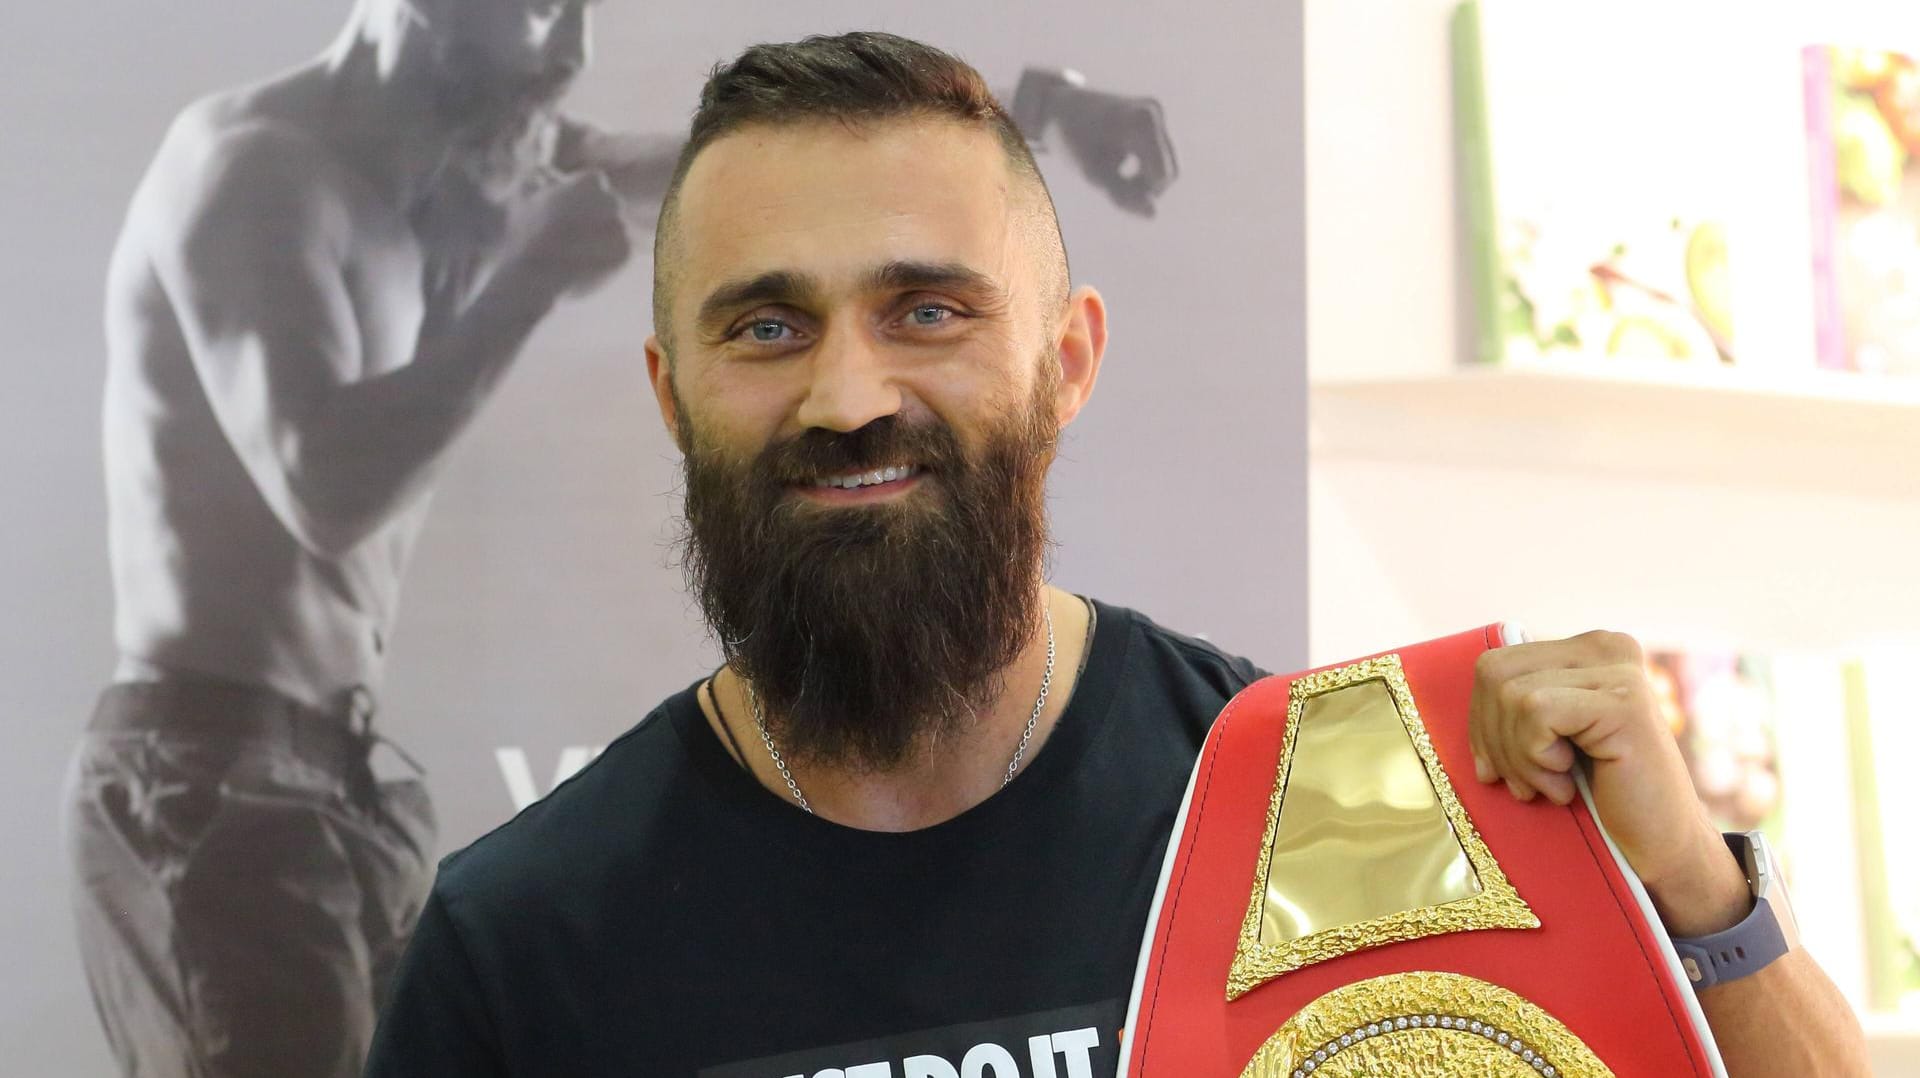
column 1707, row 894
column 1765, row 934
column 518, row 294
column 493, row 326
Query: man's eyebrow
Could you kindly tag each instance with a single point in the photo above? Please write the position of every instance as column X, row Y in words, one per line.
column 776, row 286
column 943, row 276
column 793, row 287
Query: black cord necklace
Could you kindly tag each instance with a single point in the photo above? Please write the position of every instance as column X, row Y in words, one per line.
column 726, row 727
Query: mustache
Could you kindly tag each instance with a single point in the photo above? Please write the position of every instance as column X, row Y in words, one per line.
column 890, row 440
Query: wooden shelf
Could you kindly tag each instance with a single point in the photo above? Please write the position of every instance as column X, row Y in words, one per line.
column 1815, row 430
column 1894, row 1041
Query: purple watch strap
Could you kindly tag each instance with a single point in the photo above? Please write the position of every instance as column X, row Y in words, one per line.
column 1747, row 947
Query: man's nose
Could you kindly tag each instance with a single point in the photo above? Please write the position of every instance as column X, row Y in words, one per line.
column 849, row 383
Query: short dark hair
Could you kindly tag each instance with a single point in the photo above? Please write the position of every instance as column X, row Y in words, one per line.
column 855, row 77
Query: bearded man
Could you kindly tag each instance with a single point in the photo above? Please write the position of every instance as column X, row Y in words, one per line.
column 912, row 827
column 321, row 280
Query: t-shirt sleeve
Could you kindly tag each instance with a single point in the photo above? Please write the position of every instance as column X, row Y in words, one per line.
column 436, row 1021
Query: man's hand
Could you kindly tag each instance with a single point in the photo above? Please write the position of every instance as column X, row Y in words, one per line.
column 637, row 167
column 567, row 238
column 1538, row 706
column 1119, row 142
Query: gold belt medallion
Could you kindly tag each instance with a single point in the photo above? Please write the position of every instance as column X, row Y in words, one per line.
column 1423, row 1025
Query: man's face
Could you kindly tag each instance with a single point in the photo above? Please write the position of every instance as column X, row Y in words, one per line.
column 502, row 61
column 828, row 277
column 864, row 380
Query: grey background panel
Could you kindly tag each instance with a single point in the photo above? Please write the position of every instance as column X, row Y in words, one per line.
column 542, row 610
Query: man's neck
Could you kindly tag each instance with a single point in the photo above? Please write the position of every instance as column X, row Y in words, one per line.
column 380, row 107
column 943, row 780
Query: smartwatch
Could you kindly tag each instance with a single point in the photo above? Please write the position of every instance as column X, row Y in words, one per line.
column 1768, row 931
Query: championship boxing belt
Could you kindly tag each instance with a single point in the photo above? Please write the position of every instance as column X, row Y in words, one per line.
column 1342, row 898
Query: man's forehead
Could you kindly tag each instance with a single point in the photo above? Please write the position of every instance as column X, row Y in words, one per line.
column 833, row 200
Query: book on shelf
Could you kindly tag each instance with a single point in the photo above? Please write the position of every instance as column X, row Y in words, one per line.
column 1719, row 705
column 1817, row 752
column 1594, row 196
column 1820, row 858
column 1863, row 161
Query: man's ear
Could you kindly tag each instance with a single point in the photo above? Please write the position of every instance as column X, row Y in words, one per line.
column 660, row 373
column 1083, row 343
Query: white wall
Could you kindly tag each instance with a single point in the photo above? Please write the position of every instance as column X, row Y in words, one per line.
column 1428, row 537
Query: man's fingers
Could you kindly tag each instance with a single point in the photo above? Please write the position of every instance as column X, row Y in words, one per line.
column 1527, row 731
column 1597, row 721
column 1158, row 166
column 1534, row 704
column 1599, row 648
column 1528, row 781
column 1477, row 720
column 1128, row 192
column 1495, row 721
column 1556, row 786
column 1555, row 754
column 1539, row 705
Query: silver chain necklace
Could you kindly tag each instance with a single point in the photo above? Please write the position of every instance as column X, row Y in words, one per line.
column 1033, row 720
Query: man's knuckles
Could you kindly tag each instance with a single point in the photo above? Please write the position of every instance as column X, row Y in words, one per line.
column 1530, row 703
column 1489, row 668
column 1609, row 647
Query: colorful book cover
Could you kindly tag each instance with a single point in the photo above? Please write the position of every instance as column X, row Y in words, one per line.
column 1818, row 854
column 1720, row 707
column 1594, row 194
column 1883, row 713
column 1863, row 142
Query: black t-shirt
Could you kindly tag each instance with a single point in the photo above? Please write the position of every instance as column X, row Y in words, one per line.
column 663, row 915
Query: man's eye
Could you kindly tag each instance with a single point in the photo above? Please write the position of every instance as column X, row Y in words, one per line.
column 767, row 331
column 929, row 314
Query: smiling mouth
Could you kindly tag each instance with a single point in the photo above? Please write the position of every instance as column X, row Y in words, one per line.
column 874, row 478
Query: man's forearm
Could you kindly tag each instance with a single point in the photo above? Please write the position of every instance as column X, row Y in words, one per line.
column 1787, row 1019
column 375, row 447
column 638, row 167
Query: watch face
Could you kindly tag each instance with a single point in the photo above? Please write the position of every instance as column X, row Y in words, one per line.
column 1763, row 876
column 1752, row 852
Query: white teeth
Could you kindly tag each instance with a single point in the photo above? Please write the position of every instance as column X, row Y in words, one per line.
column 867, row 479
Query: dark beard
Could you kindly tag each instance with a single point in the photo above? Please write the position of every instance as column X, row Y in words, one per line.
column 506, row 124
column 868, row 632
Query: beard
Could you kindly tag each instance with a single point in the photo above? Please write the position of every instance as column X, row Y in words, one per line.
column 507, row 124
column 870, row 632
column 506, row 129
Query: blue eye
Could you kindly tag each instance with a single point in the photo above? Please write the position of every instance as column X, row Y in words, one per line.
column 928, row 314
column 767, row 330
